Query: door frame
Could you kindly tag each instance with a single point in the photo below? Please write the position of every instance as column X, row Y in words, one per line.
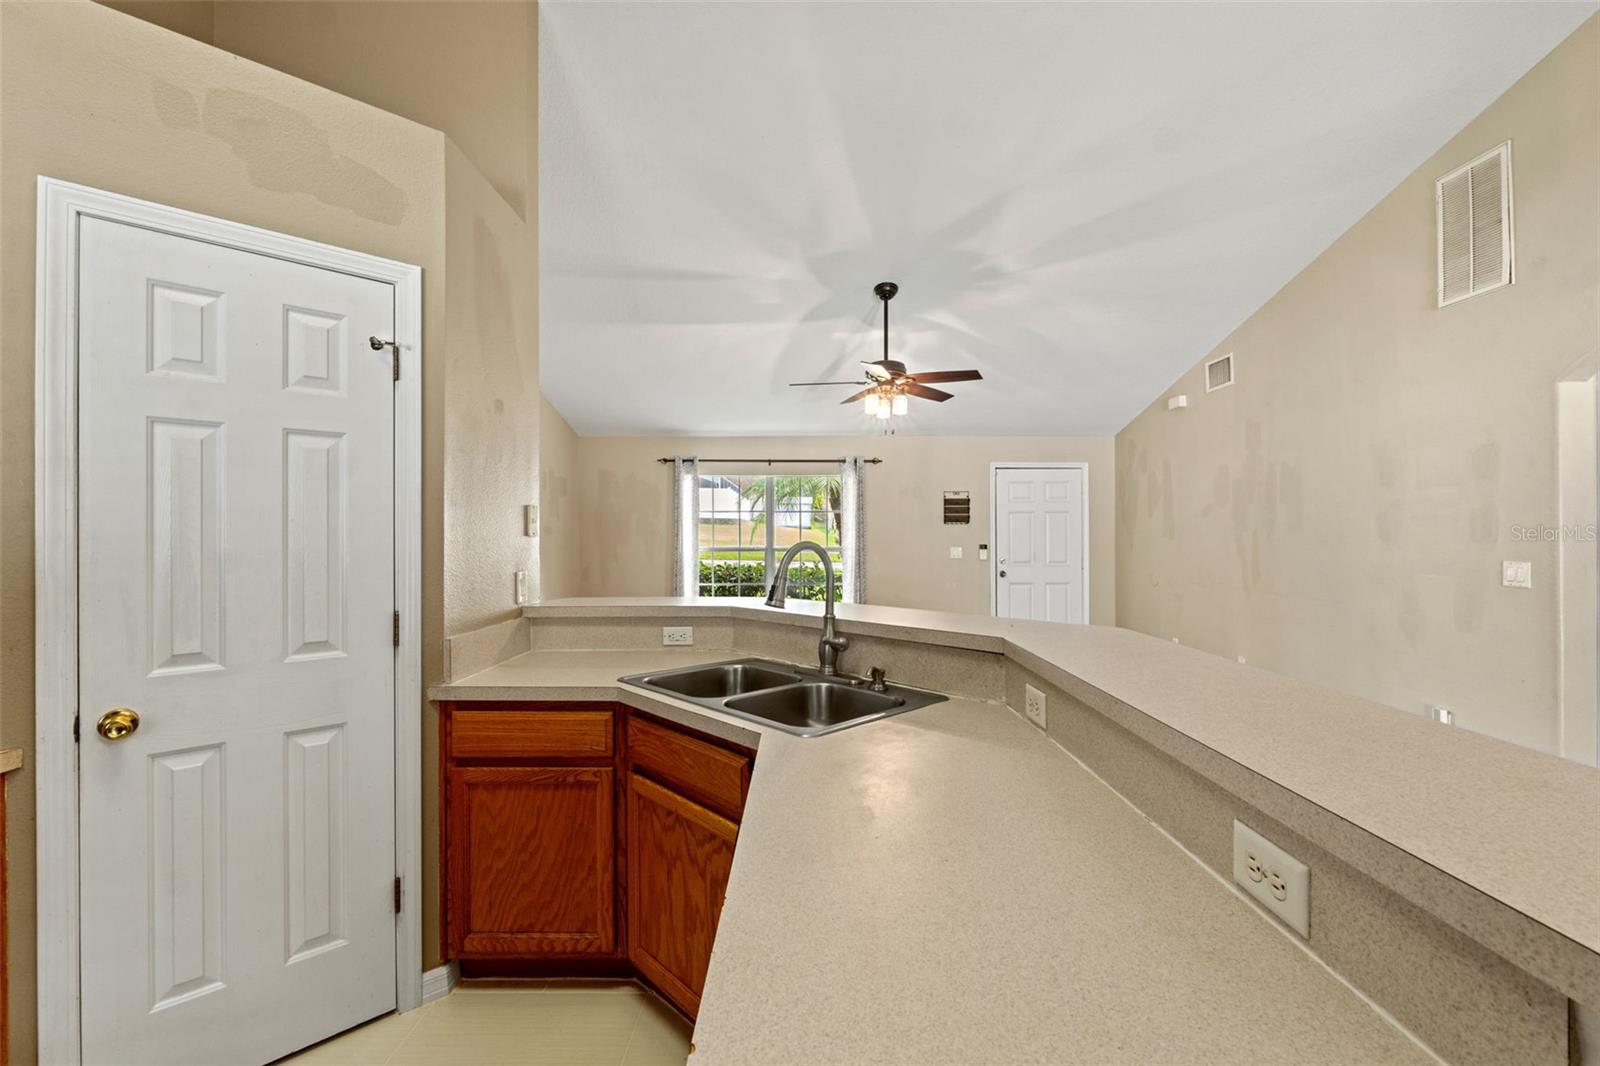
column 994, row 527
column 62, row 206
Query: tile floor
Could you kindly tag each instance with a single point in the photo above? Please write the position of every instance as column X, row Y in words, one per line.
column 518, row 1023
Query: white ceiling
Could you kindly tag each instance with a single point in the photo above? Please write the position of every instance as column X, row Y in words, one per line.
column 1077, row 199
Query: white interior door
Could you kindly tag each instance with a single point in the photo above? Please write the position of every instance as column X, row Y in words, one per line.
column 1039, row 550
column 236, row 589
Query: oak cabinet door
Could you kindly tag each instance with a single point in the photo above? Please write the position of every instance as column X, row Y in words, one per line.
column 679, row 854
column 532, row 861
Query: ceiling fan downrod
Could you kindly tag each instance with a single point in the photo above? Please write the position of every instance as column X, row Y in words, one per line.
column 885, row 291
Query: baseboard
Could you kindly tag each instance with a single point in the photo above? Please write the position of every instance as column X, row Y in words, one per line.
column 437, row 982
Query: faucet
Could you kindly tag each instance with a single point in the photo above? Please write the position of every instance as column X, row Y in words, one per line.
column 831, row 644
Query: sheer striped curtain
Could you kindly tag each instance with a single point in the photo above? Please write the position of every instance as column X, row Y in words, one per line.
column 685, row 526
column 853, row 528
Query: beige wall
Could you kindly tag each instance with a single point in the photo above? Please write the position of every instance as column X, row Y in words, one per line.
column 559, row 535
column 192, row 18
column 465, row 67
column 491, row 424
column 93, row 96
column 1340, row 514
column 624, row 508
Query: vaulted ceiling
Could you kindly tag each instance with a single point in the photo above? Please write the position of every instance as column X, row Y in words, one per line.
column 1077, row 199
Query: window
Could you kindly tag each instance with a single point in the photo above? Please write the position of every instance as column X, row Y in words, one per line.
column 748, row 521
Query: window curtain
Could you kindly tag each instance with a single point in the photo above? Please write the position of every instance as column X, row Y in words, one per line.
column 853, row 528
column 685, row 526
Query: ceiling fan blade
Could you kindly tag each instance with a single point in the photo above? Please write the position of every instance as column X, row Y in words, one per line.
column 877, row 370
column 859, row 395
column 946, row 375
column 797, row 384
column 913, row 389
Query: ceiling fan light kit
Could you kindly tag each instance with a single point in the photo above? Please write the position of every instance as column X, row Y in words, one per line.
column 889, row 386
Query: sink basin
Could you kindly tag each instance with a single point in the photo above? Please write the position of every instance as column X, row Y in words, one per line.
column 815, row 705
column 720, row 680
column 795, row 699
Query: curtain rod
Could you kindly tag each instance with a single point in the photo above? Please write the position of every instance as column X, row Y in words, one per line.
column 769, row 462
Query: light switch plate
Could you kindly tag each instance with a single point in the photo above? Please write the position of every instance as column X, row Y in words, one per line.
column 677, row 636
column 955, row 551
column 1277, row 880
column 1516, row 574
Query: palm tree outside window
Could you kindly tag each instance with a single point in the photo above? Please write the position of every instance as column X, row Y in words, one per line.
column 748, row 521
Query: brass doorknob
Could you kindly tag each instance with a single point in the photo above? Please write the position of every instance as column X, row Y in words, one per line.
column 118, row 723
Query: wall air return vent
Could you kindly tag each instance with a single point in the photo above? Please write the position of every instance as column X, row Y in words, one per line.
column 1219, row 372
column 1473, row 206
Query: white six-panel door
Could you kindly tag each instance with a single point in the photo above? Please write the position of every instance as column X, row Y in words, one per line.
column 1039, row 550
column 236, row 589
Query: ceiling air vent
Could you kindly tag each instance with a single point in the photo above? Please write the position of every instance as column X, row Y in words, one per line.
column 1219, row 372
column 1473, row 204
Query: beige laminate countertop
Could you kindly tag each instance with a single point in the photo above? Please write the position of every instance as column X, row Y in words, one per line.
column 948, row 885
column 1501, row 840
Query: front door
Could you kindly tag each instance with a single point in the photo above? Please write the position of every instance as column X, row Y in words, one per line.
column 1039, row 543
column 236, row 590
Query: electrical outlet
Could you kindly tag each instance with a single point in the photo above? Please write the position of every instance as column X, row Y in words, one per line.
column 522, row 587
column 530, row 520
column 677, row 636
column 1033, row 705
column 1277, row 880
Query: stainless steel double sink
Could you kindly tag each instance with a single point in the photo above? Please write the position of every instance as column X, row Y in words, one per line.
column 794, row 699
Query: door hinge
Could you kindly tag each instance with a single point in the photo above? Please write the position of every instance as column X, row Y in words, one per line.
column 397, row 629
column 397, row 362
column 397, row 895
column 75, row 729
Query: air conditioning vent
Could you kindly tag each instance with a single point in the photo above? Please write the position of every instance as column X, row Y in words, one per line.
column 1219, row 372
column 1473, row 204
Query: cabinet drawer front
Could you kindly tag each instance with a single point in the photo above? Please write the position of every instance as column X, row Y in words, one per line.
column 703, row 771
column 530, row 734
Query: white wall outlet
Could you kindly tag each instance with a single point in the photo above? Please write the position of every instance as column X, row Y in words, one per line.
column 1516, row 574
column 677, row 636
column 521, row 587
column 530, row 520
column 1442, row 715
column 955, row 551
column 1033, row 705
column 1278, row 881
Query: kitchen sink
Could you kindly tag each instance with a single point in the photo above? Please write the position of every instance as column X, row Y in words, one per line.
column 721, row 680
column 795, row 699
column 814, row 703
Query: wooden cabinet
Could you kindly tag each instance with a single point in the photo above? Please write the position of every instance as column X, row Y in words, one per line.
column 532, row 861
column 679, row 854
column 584, row 838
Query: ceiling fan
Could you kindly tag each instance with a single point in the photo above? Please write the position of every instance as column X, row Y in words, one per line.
column 888, row 383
